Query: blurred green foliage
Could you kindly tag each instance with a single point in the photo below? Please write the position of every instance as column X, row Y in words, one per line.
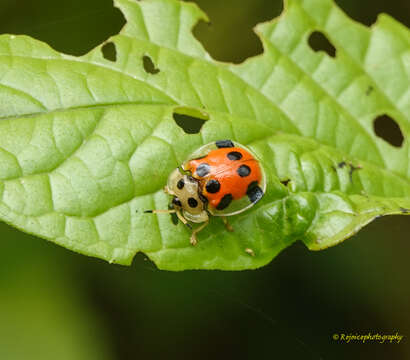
column 60, row 305
column 43, row 315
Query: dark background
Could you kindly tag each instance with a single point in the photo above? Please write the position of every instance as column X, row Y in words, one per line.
column 55, row 304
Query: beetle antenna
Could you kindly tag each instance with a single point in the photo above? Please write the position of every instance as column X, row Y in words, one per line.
column 171, row 211
column 160, row 211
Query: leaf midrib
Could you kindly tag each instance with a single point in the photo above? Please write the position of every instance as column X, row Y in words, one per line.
column 83, row 107
column 213, row 63
column 406, row 181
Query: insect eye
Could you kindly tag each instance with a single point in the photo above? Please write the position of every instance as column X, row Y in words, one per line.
column 176, row 201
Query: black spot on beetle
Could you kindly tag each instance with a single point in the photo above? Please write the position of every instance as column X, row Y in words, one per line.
column 203, row 169
column 224, row 144
column 180, row 184
column 225, row 201
column 213, row 186
column 192, row 202
column 234, row 155
column 243, row 170
column 254, row 192
column 405, row 211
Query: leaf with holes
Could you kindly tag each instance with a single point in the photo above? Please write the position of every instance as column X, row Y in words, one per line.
column 86, row 142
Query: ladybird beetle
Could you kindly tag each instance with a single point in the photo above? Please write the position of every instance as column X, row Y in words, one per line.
column 222, row 178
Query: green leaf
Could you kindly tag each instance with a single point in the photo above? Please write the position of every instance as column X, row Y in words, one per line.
column 85, row 142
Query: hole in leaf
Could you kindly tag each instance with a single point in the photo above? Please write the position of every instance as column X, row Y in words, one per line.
column 230, row 37
column 285, row 182
column 367, row 14
column 319, row 42
column 109, row 52
column 73, row 27
column 149, row 65
column 387, row 128
column 190, row 120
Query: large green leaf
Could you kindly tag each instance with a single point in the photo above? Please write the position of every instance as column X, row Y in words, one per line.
column 85, row 142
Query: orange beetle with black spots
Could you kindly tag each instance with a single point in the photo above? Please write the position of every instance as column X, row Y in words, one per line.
column 222, row 178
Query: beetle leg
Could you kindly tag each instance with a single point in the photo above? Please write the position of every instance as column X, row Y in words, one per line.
column 193, row 239
column 227, row 224
column 183, row 220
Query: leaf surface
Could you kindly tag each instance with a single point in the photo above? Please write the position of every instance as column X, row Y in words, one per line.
column 86, row 144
